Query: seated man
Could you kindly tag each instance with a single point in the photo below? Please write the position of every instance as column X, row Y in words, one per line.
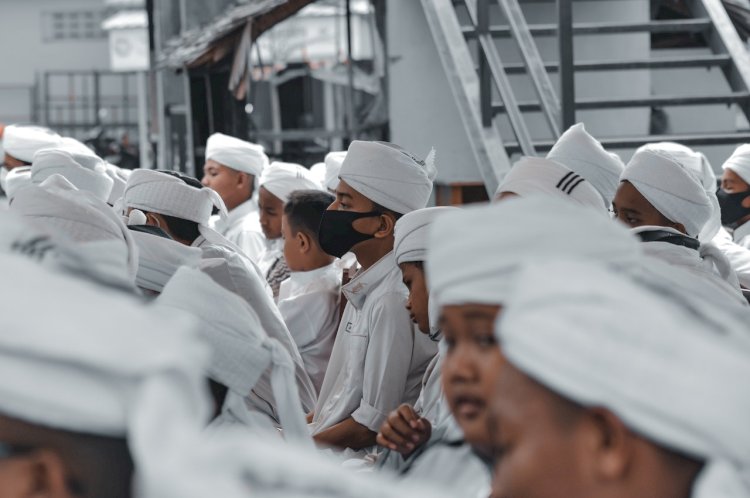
column 597, row 393
column 309, row 299
column 377, row 361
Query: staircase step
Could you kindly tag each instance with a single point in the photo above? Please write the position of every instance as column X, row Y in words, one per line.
column 600, row 28
column 693, row 139
column 653, row 101
column 706, row 61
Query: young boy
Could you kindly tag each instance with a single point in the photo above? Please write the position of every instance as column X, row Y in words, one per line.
column 377, row 361
column 277, row 182
column 309, row 298
column 734, row 195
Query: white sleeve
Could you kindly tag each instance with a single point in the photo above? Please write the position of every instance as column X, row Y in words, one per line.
column 305, row 317
column 387, row 361
column 738, row 256
column 252, row 244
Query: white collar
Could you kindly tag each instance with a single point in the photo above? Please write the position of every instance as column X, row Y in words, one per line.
column 301, row 278
column 741, row 232
column 365, row 281
column 236, row 214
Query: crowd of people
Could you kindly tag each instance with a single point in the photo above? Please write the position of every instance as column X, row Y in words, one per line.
column 273, row 330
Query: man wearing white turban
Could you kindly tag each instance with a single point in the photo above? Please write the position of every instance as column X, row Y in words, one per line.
column 232, row 169
column 377, row 361
column 598, row 391
column 536, row 175
column 85, row 170
column 663, row 201
column 277, row 183
column 734, row 195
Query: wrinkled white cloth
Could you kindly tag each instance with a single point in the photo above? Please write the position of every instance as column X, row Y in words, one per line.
column 242, row 228
column 388, row 175
column 739, row 162
column 738, row 256
column 236, row 154
column 333, row 162
column 411, row 232
column 672, row 189
column 242, row 351
column 86, row 171
column 475, row 254
column 75, row 145
column 159, row 258
column 119, row 178
column 600, row 339
column 584, row 155
column 15, row 180
column 536, row 175
column 22, row 142
column 281, row 179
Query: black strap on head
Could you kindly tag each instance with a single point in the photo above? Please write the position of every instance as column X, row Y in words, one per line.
column 669, row 238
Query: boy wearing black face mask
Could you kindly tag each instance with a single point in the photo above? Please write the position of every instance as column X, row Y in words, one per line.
column 378, row 360
column 734, row 195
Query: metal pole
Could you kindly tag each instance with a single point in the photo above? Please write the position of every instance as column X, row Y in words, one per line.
column 567, row 70
column 485, row 83
column 143, row 140
column 350, row 125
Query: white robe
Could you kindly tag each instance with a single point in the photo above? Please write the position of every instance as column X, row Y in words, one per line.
column 378, row 358
column 242, row 227
column 741, row 235
column 309, row 303
column 738, row 256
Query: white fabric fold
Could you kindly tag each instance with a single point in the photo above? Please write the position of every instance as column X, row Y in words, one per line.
column 236, row 154
column 119, row 178
column 159, row 258
column 739, row 162
column 333, row 162
column 281, row 179
column 22, row 142
column 15, row 180
column 84, row 170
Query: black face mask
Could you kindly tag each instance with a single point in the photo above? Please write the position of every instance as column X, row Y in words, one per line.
column 336, row 233
column 732, row 210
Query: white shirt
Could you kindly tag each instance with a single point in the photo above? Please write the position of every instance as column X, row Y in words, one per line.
column 378, row 358
column 430, row 404
column 738, row 256
column 272, row 250
column 741, row 235
column 309, row 303
column 242, row 227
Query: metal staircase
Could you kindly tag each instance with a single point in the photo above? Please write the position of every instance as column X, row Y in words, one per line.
column 479, row 78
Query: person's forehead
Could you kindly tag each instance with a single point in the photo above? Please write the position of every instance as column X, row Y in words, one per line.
column 730, row 175
column 346, row 190
column 629, row 196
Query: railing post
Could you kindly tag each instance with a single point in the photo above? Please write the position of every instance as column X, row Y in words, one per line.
column 567, row 70
column 485, row 76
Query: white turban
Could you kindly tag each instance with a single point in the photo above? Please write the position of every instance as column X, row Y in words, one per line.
column 475, row 253
column 22, row 142
column 87, row 171
column 333, row 162
column 388, row 175
column 119, row 177
column 318, row 172
column 601, row 340
column 236, row 154
column 532, row 175
column 77, row 357
column 17, row 179
column 59, row 207
column 671, row 189
column 74, row 145
column 584, row 155
column 159, row 258
column 242, row 351
column 411, row 233
column 698, row 165
column 739, row 162
column 281, row 179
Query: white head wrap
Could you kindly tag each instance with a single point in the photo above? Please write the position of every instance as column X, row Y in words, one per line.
column 698, row 165
column 242, row 350
column 16, row 179
column 475, row 253
column 602, row 340
column 236, row 154
column 584, row 155
column 59, row 207
column 86, row 171
column 119, row 177
column 159, row 258
column 333, row 162
column 388, row 175
column 411, row 233
column 318, row 172
column 739, row 162
column 281, row 179
column 533, row 175
column 22, row 142
column 673, row 190
column 73, row 145
column 89, row 361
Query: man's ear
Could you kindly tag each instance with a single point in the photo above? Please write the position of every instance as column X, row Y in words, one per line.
column 387, row 225
column 155, row 220
column 48, row 475
column 612, row 444
column 304, row 241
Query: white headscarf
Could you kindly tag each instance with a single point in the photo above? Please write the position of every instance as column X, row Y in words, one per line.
column 159, row 258
column 600, row 339
column 22, row 142
column 475, row 253
column 242, row 351
column 673, row 190
column 739, row 162
column 333, row 162
column 89, row 361
column 236, row 154
column 86, row 171
column 584, row 155
column 388, row 175
column 15, row 180
column 281, row 179
column 534, row 175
